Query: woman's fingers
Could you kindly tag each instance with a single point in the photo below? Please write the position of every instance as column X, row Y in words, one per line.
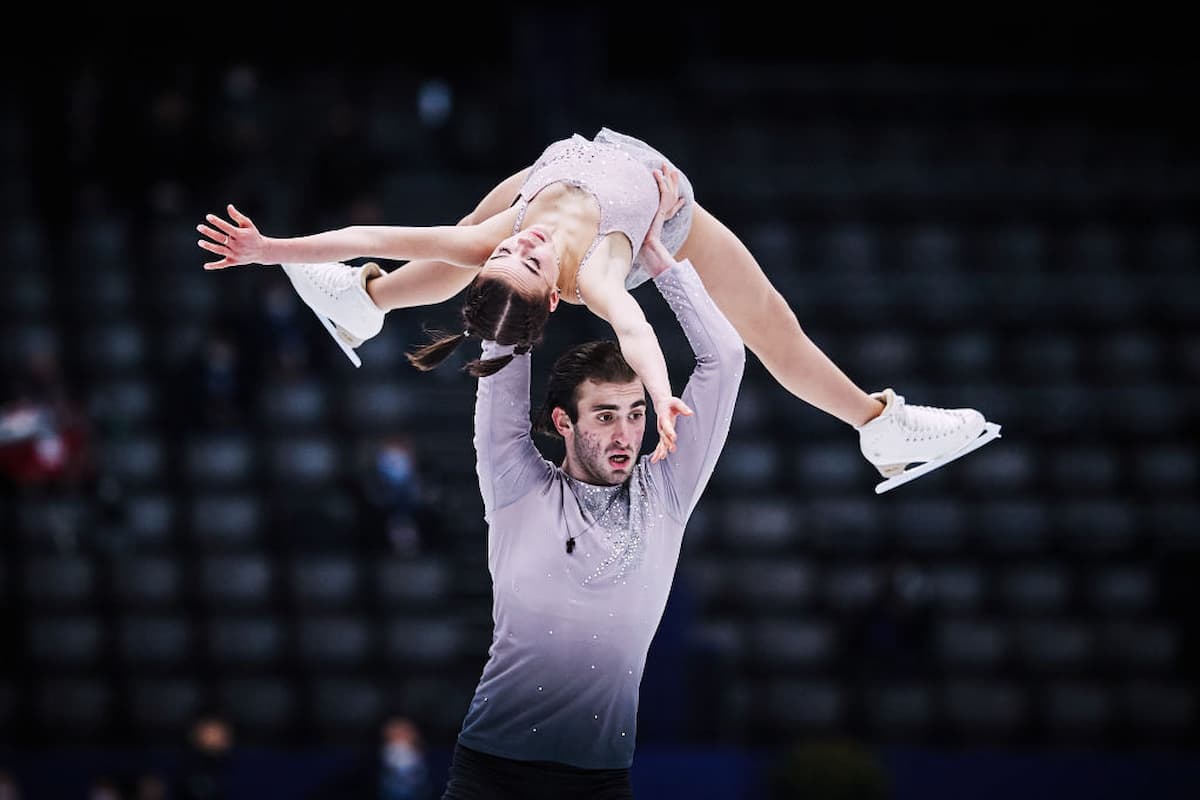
column 239, row 217
column 222, row 224
column 215, row 235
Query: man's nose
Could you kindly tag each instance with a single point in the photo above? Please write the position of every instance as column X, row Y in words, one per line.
column 621, row 432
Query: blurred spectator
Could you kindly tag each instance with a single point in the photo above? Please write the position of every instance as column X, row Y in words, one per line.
column 46, row 450
column 105, row 788
column 44, row 433
column 8, row 787
column 393, row 490
column 204, row 768
column 281, row 330
column 403, row 773
column 396, row 770
column 151, row 787
column 213, row 387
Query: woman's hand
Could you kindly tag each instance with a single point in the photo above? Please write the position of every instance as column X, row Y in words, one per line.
column 237, row 243
column 667, row 410
column 654, row 254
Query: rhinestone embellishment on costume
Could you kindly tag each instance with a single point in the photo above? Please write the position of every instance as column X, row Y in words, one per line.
column 619, row 519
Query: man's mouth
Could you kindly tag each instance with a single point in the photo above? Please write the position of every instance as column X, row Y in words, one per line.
column 618, row 460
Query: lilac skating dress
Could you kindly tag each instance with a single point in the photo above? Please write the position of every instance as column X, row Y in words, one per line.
column 616, row 170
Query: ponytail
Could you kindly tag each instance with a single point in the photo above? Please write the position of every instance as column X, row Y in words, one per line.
column 495, row 311
column 483, row 367
column 431, row 355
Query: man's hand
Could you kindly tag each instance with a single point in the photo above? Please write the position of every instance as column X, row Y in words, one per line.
column 654, row 254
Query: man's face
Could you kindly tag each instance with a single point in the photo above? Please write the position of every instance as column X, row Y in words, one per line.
column 603, row 444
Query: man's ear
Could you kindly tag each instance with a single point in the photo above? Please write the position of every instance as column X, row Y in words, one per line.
column 562, row 421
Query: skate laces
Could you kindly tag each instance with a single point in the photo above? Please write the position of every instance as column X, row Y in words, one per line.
column 927, row 420
column 329, row 278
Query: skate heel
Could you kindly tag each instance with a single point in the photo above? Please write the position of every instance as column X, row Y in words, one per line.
column 345, row 340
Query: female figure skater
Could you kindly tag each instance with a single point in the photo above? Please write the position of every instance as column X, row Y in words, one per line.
column 570, row 228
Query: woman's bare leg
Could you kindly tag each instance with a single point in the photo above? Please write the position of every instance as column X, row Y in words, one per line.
column 767, row 323
column 425, row 283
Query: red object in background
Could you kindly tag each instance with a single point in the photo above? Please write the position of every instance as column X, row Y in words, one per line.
column 38, row 445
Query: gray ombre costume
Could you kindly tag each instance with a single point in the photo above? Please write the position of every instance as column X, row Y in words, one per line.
column 572, row 629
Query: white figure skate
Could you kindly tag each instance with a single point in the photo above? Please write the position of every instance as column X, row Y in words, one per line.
column 337, row 294
column 927, row 437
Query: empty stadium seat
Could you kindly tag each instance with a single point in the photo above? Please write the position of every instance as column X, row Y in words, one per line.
column 1162, row 708
column 147, row 582
column 1044, row 587
column 901, row 709
column 981, row 708
column 1077, row 709
column 227, row 521
column 802, row 706
column 66, row 641
column 246, row 641
column 1047, row 644
column 347, row 704
column 155, row 640
column 165, row 706
column 293, row 404
column 1123, row 589
column 333, row 640
column 786, row 645
column 427, row 642
column 73, row 706
column 425, row 582
column 772, row 584
column 304, row 461
column 973, row 644
column 259, row 704
column 325, row 581
column 236, row 580
column 60, row 581
column 761, row 523
column 219, row 461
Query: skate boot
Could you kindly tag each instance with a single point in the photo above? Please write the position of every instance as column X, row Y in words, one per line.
column 926, row 438
column 337, row 294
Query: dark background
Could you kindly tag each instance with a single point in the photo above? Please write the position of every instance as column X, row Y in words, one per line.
column 994, row 209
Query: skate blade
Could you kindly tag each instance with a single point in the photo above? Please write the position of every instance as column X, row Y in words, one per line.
column 338, row 334
column 990, row 431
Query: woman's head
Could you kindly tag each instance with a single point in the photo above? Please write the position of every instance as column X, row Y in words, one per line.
column 528, row 262
column 494, row 309
column 508, row 302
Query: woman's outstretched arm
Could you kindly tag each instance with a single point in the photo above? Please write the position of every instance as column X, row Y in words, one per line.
column 239, row 242
column 603, row 289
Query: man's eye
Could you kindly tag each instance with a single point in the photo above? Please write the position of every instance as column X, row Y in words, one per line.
column 605, row 417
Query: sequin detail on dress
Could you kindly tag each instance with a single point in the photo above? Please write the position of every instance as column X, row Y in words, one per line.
column 616, row 170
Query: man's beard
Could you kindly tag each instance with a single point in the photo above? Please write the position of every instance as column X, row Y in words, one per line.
column 590, row 456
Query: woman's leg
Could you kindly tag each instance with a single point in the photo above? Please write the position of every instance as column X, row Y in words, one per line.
column 425, row 283
column 767, row 323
